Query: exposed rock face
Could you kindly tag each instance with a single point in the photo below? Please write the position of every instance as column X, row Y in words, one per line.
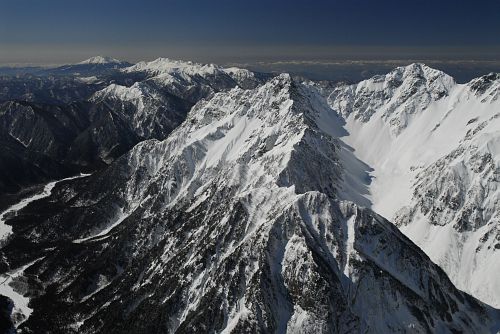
column 397, row 95
column 237, row 222
column 455, row 214
column 56, row 141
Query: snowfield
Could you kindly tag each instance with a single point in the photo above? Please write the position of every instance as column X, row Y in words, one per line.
column 433, row 147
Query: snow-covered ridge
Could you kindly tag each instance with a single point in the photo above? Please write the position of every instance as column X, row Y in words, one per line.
column 220, row 134
column 432, row 145
column 397, row 144
column 239, row 74
column 244, row 77
column 454, row 214
column 145, row 107
column 169, row 91
column 136, row 91
column 397, row 95
column 238, row 129
column 487, row 86
column 100, row 60
column 269, row 128
column 178, row 72
column 248, row 160
column 166, row 65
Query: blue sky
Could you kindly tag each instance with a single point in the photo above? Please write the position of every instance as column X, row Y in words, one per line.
column 57, row 30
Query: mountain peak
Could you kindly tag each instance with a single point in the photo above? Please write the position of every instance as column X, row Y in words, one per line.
column 489, row 82
column 167, row 65
column 100, row 60
column 404, row 91
column 419, row 70
column 418, row 67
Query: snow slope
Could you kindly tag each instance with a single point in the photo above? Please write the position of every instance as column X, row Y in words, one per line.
column 432, row 145
column 10, row 284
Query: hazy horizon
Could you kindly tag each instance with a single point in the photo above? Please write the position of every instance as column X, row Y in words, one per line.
column 321, row 39
column 341, row 67
column 23, row 55
column 59, row 32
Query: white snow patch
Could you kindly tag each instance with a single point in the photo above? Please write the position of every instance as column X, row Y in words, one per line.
column 6, row 230
column 21, row 308
column 104, row 233
column 349, row 247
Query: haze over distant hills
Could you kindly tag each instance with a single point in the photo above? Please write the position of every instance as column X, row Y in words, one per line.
column 338, row 70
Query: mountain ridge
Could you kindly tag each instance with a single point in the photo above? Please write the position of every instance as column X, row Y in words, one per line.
column 230, row 208
column 452, row 134
column 101, row 60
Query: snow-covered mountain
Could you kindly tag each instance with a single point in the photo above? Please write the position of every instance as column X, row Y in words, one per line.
column 94, row 67
column 178, row 74
column 102, row 60
column 433, row 147
column 242, row 220
column 160, row 102
column 52, row 138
